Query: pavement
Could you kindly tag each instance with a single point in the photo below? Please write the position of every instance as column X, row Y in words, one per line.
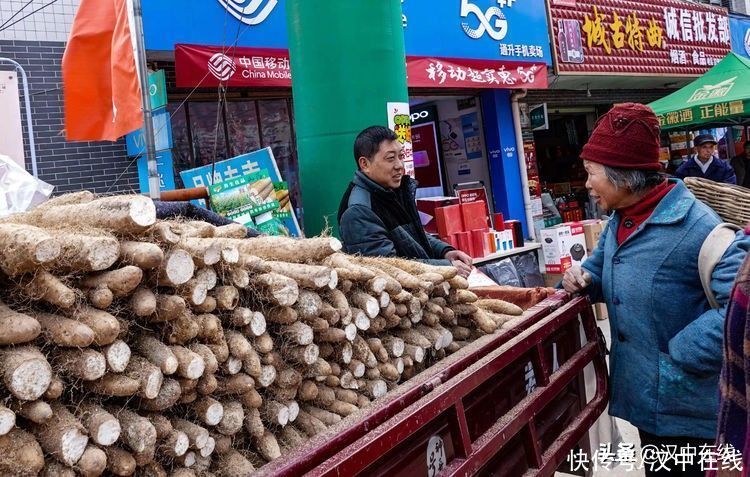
column 628, row 432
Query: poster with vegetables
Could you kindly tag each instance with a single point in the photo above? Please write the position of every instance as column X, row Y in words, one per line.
column 261, row 161
column 253, row 200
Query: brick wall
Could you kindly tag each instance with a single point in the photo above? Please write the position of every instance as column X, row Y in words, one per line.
column 70, row 166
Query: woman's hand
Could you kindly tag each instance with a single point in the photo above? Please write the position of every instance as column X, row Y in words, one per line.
column 576, row 280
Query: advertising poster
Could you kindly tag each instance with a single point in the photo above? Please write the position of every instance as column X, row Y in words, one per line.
column 472, row 135
column 399, row 120
column 454, row 150
column 250, row 200
column 246, row 164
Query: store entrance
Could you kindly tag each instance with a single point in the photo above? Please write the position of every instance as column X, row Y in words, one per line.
column 449, row 144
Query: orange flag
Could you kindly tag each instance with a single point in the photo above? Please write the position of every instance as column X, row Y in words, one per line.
column 100, row 79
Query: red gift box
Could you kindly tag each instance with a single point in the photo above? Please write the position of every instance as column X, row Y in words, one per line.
column 517, row 228
column 474, row 215
column 464, row 242
column 449, row 220
column 428, row 206
column 451, row 240
column 499, row 222
column 478, row 243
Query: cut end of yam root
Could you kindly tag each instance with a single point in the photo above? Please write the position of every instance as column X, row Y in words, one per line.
column 27, row 373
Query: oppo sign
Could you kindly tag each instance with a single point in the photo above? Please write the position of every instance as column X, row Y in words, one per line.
column 419, row 115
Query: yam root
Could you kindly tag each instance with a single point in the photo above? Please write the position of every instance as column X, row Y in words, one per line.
column 26, row 248
column 17, row 327
column 43, row 286
column 62, row 436
column 26, row 372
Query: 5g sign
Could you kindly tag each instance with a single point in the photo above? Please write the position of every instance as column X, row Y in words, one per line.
column 492, row 21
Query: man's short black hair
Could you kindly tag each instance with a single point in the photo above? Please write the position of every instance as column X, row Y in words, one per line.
column 747, row 144
column 369, row 140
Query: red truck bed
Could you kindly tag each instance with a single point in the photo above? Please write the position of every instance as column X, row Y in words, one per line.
column 478, row 412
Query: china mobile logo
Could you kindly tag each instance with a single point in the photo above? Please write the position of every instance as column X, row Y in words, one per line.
column 249, row 12
column 221, row 66
column 492, row 21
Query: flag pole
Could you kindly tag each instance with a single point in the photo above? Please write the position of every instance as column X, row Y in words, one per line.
column 154, row 182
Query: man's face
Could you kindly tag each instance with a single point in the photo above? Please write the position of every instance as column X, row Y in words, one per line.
column 706, row 151
column 386, row 167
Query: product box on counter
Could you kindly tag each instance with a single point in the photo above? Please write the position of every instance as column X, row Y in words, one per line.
column 474, row 215
column 449, row 220
column 427, row 206
column 592, row 230
column 563, row 246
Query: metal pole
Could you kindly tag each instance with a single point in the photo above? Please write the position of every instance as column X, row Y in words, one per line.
column 27, row 103
column 154, row 184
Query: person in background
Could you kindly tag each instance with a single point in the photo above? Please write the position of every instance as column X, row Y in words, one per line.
column 735, row 373
column 666, row 339
column 741, row 166
column 378, row 214
column 705, row 164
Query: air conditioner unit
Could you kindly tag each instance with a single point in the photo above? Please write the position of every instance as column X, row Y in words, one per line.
column 739, row 6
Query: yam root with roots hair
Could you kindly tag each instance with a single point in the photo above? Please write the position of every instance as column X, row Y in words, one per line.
column 121, row 214
column 26, row 248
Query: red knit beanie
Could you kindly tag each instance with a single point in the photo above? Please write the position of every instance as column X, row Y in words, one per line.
column 626, row 137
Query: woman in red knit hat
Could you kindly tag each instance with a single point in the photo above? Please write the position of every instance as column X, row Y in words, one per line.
column 666, row 339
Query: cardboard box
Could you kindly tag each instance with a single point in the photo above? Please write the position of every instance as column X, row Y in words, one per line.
column 563, row 247
column 474, row 215
column 449, row 220
column 426, row 206
column 478, row 243
column 592, row 230
column 600, row 311
column 552, row 279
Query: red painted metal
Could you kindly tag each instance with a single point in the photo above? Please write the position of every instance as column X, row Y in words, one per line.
column 434, row 403
column 637, row 55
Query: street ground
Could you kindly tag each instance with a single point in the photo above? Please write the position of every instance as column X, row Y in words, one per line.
column 628, row 432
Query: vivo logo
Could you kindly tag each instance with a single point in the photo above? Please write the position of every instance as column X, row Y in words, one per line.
column 249, row 12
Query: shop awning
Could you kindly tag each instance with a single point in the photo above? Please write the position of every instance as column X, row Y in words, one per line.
column 721, row 97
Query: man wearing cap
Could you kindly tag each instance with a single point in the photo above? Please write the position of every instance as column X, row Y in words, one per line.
column 705, row 165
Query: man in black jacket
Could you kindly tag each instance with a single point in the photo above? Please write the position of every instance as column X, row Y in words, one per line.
column 378, row 214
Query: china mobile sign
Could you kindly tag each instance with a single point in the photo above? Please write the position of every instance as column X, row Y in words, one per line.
column 207, row 66
column 659, row 37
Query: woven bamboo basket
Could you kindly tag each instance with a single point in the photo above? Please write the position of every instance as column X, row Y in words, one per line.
column 731, row 202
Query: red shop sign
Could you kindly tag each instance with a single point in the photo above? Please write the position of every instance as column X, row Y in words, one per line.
column 207, row 66
column 625, row 37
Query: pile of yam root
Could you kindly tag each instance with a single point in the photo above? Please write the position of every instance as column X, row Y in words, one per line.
column 135, row 346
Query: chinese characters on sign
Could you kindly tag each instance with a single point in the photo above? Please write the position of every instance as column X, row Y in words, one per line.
column 606, row 37
column 262, row 67
column 432, row 72
column 668, row 458
column 205, row 66
column 703, row 113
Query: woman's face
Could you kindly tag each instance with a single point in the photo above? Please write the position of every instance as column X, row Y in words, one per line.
column 603, row 191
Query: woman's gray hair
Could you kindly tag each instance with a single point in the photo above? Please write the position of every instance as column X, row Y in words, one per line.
column 638, row 181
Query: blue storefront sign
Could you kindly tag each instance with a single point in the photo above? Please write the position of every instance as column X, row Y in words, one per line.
column 740, row 28
column 513, row 30
column 165, row 167
column 136, row 142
